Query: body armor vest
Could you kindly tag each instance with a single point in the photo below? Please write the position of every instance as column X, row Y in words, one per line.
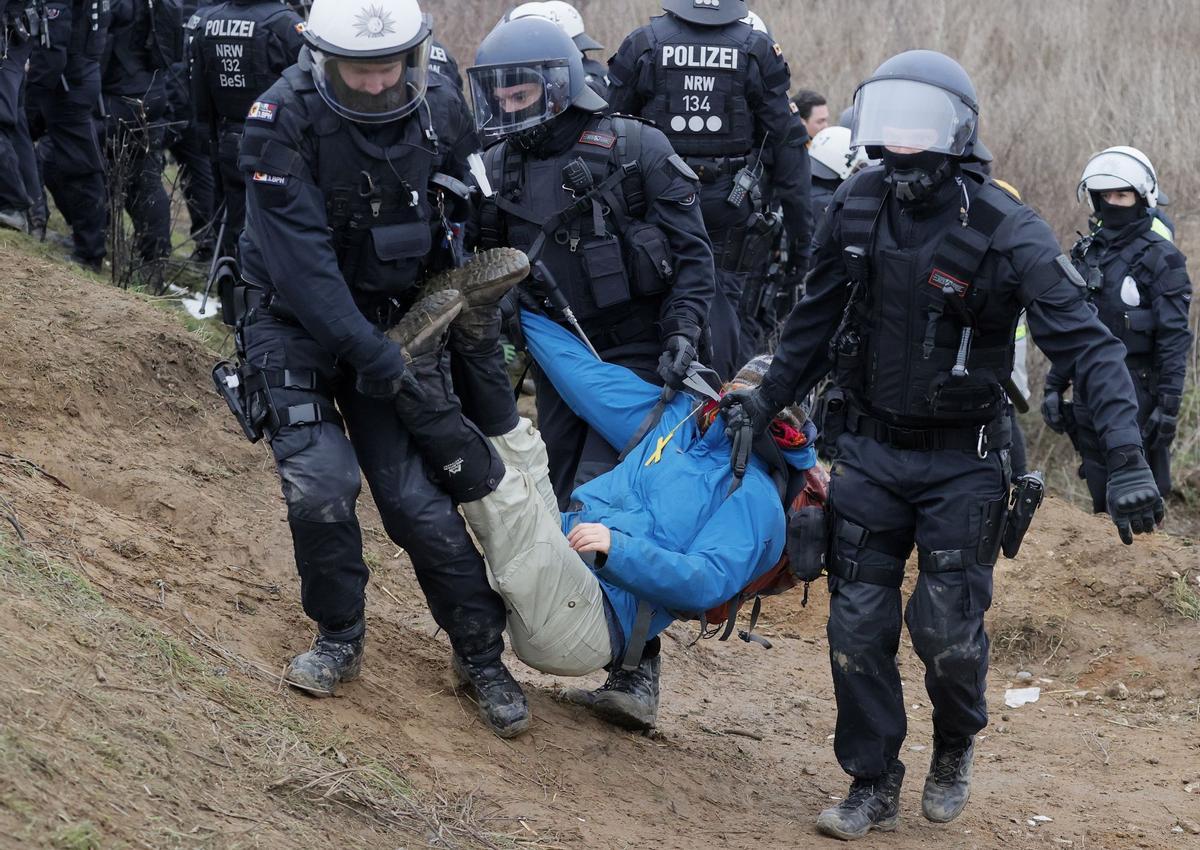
column 233, row 43
column 912, row 335
column 1105, row 271
column 612, row 266
column 700, row 76
column 376, row 199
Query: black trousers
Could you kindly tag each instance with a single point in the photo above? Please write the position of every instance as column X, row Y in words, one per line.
column 319, row 467
column 233, row 189
column 722, row 222
column 134, row 139
column 1094, row 466
column 198, row 181
column 16, row 148
column 576, row 452
column 939, row 500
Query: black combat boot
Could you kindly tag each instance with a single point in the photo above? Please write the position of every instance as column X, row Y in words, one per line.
column 499, row 698
column 871, row 804
column 629, row 698
column 329, row 663
column 948, row 785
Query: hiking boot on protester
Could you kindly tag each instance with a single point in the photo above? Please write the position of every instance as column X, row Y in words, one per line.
column 948, row 784
column 871, row 804
column 628, row 699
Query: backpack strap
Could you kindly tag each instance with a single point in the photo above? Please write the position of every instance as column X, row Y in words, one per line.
column 860, row 212
column 636, row 644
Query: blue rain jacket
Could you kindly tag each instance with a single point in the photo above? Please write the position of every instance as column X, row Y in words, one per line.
column 679, row 542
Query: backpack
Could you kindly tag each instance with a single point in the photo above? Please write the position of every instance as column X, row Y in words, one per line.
column 165, row 37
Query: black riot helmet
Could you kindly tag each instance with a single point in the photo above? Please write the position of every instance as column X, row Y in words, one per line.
column 527, row 72
column 711, row 13
column 919, row 99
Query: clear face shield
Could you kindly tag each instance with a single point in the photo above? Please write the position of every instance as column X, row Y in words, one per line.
column 375, row 90
column 909, row 117
column 510, row 98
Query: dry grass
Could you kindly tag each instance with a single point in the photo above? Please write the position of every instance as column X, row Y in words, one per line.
column 1026, row 639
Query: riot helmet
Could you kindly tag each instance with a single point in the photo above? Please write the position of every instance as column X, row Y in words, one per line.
column 527, row 72
column 917, row 101
column 562, row 13
column 369, row 59
column 756, row 23
column 711, row 13
column 832, row 156
column 1115, row 169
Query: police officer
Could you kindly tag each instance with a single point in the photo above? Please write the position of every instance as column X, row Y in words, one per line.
column 19, row 30
column 571, row 22
column 920, row 271
column 137, row 61
column 238, row 50
column 339, row 156
column 442, row 61
column 613, row 214
column 833, row 161
column 718, row 88
column 63, row 92
column 1138, row 281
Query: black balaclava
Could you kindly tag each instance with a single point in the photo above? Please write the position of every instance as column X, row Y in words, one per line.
column 1114, row 218
column 554, row 136
column 916, row 177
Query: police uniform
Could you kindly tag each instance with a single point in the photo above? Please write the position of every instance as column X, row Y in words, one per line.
column 441, row 61
column 719, row 93
column 237, row 49
column 134, row 83
column 921, row 454
column 597, row 76
column 1139, row 285
column 634, row 262
column 339, row 230
column 19, row 187
column 63, row 90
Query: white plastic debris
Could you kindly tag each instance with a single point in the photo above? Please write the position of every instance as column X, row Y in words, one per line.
column 1038, row 820
column 1017, row 697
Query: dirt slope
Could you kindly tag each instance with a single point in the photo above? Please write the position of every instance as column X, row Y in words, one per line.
column 141, row 707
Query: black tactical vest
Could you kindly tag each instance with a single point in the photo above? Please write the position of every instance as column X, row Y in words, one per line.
column 605, row 258
column 911, row 333
column 233, row 45
column 1105, row 272
column 700, row 77
column 376, row 198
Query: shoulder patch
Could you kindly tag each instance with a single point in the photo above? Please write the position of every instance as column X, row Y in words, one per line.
column 778, row 49
column 793, row 107
column 269, row 179
column 597, row 138
column 301, row 27
column 1174, row 260
column 261, row 110
column 685, row 170
column 1069, row 271
column 192, row 22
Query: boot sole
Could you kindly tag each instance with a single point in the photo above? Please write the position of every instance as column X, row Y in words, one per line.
column 427, row 321
column 888, row 825
column 618, row 717
column 486, row 277
column 316, row 690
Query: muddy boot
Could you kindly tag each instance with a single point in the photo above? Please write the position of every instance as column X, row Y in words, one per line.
column 628, row 699
column 421, row 331
column 485, row 278
column 871, row 804
column 498, row 697
column 14, row 220
column 330, row 662
column 948, row 785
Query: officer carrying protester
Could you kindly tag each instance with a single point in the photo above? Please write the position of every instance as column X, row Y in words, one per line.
column 1138, row 282
column 63, row 92
column 921, row 269
column 717, row 88
column 344, row 159
column 238, row 49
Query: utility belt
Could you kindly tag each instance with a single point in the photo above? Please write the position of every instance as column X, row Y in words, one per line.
column 712, row 169
column 981, row 439
column 247, row 390
column 638, row 322
column 384, row 314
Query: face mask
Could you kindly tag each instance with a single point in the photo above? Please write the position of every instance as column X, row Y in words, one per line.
column 1118, row 218
column 916, row 176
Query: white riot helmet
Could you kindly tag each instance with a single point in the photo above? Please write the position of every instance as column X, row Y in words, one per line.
column 562, row 13
column 756, row 22
column 1118, row 168
column 832, row 156
column 369, row 58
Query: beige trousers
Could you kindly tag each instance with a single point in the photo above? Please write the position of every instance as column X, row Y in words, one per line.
column 555, row 606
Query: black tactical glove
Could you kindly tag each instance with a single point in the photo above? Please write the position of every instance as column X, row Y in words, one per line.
column 798, row 260
column 1052, row 412
column 386, row 388
column 678, row 354
column 1134, row 502
column 748, row 407
column 1160, row 428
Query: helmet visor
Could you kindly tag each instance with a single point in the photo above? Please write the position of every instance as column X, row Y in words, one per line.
column 374, row 90
column 909, row 116
column 511, row 98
